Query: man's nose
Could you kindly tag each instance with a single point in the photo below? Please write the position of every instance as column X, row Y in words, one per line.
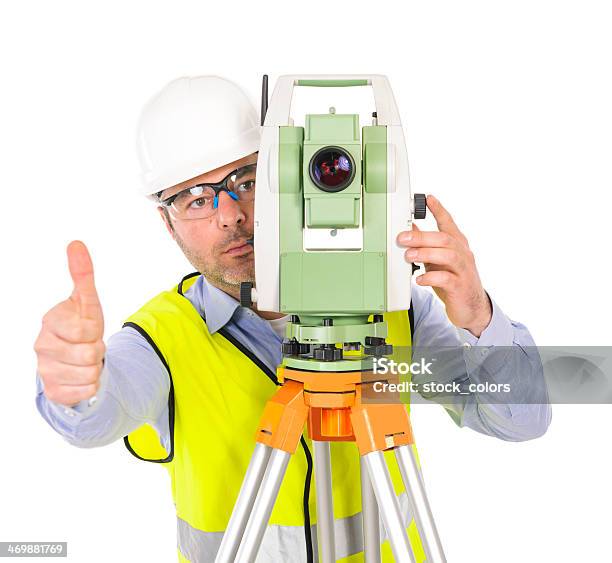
column 229, row 211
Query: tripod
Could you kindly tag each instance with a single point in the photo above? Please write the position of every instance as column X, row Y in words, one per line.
column 332, row 405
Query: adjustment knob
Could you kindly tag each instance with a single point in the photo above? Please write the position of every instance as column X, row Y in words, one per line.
column 327, row 353
column 376, row 346
column 420, row 206
column 290, row 347
column 294, row 348
column 303, row 348
column 378, row 350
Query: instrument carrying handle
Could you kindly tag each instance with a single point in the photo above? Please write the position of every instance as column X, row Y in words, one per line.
column 332, row 82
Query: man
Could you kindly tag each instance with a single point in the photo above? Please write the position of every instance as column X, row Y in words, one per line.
column 186, row 376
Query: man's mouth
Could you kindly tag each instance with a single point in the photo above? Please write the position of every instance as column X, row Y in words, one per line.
column 240, row 248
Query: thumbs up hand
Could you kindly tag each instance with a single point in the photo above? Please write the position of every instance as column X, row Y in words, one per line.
column 69, row 347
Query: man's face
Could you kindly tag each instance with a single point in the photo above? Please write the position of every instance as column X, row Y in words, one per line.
column 216, row 246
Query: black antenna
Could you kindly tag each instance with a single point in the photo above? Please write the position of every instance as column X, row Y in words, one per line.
column 264, row 98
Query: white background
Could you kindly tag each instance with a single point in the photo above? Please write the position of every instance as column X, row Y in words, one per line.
column 506, row 108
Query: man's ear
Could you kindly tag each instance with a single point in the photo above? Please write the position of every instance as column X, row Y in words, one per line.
column 166, row 219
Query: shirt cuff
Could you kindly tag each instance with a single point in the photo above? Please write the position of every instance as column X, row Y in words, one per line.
column 75, row 413
column 499, row 331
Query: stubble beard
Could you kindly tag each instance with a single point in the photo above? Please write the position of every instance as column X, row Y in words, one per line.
column 226, row 278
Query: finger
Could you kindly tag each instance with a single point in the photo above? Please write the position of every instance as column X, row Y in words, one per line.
column 70, row 395
column 433, row 239
column 65, row 322
column 54, row 372
column 77, row 354
column 446, row 257
column 81, row 271
column 438, row 278
column 64, row 312
column 404, row 236
column 443, row 218
column 73, row 329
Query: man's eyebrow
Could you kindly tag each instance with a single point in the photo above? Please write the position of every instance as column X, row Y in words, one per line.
column 243, row 171
column 163, row 197
column 186, row 188
column 159, row 194
column 171, row 195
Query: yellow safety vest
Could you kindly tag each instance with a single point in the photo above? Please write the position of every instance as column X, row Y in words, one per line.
column 218, row 393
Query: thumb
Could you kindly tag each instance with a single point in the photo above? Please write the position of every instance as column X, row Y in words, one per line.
column 81, row 271
column 415, row 227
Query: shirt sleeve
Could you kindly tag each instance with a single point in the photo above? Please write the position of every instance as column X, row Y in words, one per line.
column 504, row 354
column 134, row 390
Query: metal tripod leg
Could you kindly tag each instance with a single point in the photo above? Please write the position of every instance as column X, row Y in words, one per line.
column 419, row 504
column 244, row 504
column 262, row 508
column 371, row 518
column 325, row 506
column 278, row 436
column 389, row 507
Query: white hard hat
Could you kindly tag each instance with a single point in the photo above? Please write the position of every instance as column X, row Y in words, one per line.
column 194, row 125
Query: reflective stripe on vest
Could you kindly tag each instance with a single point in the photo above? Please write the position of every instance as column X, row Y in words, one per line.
column 284, row 543
column 218, row 396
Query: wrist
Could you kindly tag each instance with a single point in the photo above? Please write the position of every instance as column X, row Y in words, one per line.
column 482, row 318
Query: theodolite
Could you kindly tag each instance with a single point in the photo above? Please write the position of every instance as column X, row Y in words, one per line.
column 331, row 198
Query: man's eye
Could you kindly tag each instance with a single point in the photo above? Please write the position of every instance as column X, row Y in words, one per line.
column 246, row 186
column 200, row 202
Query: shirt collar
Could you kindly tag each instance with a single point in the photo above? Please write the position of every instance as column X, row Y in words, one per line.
column 215, row 305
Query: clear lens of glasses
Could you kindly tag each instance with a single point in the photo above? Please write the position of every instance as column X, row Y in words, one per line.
column 199, row 202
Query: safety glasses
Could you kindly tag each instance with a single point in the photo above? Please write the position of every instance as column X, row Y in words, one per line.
column 201, row 201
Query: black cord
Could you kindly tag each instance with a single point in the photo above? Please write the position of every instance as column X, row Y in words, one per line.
column 307, row 531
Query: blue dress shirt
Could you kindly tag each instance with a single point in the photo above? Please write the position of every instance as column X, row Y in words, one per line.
column 135, row 384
